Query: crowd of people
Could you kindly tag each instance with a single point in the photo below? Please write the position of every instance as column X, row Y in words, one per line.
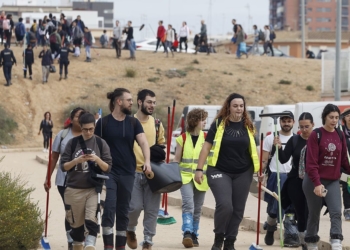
column 122, row 145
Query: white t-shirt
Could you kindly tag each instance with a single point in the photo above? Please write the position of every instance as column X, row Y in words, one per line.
column 268, row 144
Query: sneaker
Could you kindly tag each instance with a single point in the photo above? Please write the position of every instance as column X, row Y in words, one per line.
column 187, row 240
column 44, row 150
column 195, row 240
column 270, row 230
column 30, row 78
column 347, row 214
column 131, row 240
column 65, row 77
column 146, row 246
column 218, row 241
column 229, row 244
column 60, row 78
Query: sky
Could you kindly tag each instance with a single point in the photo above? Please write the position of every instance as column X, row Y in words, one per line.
column 192, row 11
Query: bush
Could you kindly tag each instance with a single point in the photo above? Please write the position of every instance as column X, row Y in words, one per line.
column 130, row 72
column 153, row 79
column 310, row 88
column 20, row 219
column 7, row 126
column 195, row 61
column 286, row 82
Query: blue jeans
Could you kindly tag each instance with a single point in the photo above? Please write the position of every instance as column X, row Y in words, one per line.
column 255, row 47
column 238, row 52
column 87, row 51
column 131, row 47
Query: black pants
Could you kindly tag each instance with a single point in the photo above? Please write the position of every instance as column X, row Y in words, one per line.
column 65, row 64
column 346, row 195
column 267, row 45
column 119, row 189
column 297, row 197
column 42, row 40
column 183, row 40
column 54, row 49
column 46, row 139
column 61, row 190
column 7, row 72
column 118, row 47
column 28, row 66
column 2, row 36
column 159, row 40
column 8, row 36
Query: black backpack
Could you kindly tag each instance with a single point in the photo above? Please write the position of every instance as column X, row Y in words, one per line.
column 272, row 35
column 261, row 35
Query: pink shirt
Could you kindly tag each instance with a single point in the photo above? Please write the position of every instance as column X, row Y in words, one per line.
column 324, row 160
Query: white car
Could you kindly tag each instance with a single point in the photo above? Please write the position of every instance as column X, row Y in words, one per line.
column 151, row 44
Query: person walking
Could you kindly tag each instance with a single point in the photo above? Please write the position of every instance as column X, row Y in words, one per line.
column 268, row 42
column 240, row 38
column 142, row 197
column 120, row 131
column 294, row 184
column 203, row 40
column 130, row 40
column 87, row 43
column 326, row 156
column 55, row 42
column 184, row 34
column 79, row 23
column 8, row 26
column 117, row 39
column 20, row 31
column 83, row 157
column 161, row 31
column 28, row 61
column 46, row 62
column 7, row 59
column 77, row 35
column 46, row 126
column 232, row 160
column 64, row 60
column 2, row 33
column 270, row 167
column 30, row 38
column 344, row 181
column 170, row 38
column 72, row 130
column 41, row 31
column 63, row 35
column 188, row 148
column 255, row 46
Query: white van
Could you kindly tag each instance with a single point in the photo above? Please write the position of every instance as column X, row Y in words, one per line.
column 212, row 110
column 267, row 126
column 316, row 108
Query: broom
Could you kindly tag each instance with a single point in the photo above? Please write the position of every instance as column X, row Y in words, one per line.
column 44, row 240
column 163, row 216
column 255, row 246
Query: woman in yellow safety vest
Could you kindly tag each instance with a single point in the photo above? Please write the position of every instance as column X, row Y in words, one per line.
column 188, row 148
column 232, row 161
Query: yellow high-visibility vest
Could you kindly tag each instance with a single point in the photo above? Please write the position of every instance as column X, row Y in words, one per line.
column 189, row 160
column 215, row 149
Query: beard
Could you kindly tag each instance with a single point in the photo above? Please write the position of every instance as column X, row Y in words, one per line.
column 126, row 111
column 145, row 111
column 286, row 129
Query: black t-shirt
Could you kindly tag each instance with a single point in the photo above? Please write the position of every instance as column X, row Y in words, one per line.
column 46, row 127
column 62, row 34
column 310, row 54
column 194, row 140
column 120, row 137
column 234, row 156
column 130, row 33
column 294, row 151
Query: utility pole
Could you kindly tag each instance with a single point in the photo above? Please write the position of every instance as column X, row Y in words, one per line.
column 337, row 53
column 303, row 28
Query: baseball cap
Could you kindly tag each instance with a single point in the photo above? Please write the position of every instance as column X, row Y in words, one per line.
column 290, row 114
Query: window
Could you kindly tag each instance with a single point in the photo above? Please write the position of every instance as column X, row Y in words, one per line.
column 323, row 20
column 108, row 11
column 309, row 19
column 27, row 20
column 324, row 10
column 323, row 29
column 309, row 9
column 324, row 1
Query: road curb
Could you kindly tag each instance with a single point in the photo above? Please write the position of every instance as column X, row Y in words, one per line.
column 16, row 150
column 43, row 160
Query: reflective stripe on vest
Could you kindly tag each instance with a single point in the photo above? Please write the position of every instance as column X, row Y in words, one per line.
column 190, row 170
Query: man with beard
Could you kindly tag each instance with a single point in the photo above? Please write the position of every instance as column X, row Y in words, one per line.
column 269, row 167
column 120, row 130
column 142, row 197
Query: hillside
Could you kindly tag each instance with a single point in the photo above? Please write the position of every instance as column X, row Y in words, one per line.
column 208, row 80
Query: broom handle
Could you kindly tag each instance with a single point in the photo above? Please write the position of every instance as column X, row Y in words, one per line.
column 168, row 141
column 48, row 178
column 259, row 194
column 166, row 204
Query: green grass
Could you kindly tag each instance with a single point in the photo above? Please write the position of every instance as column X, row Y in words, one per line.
column 153, row 79
column 7, row 127
column 130, row 72
column 310, row 88
column 285, row 82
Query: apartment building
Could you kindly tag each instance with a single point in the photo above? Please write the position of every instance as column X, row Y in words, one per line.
column 320, row 15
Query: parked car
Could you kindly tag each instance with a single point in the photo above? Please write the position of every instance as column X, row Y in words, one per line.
column 151, row 44
column 276, row 52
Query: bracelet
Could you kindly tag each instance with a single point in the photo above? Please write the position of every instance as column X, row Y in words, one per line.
column 201, row 170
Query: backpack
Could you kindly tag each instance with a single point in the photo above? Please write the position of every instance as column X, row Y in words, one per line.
column 302, row 161
column 53, row 38
column 102, row 39
column 18, row 30
column 261, row 36
column 79, row 33
column 33, row 28
column 273, row 151
column 272, row 35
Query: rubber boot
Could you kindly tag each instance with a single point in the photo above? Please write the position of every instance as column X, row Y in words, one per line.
column 78, row 246
column 90, row 242
column 195, row 233
column 229, row 243
column 187, row 228
column 336, row 244
column 270, row 230
column 218, row 241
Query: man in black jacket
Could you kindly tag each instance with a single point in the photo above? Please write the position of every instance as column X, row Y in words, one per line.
column 64, row 61
column 79, row 23
column 46, row 62
column 28, row 61
column 7, row 59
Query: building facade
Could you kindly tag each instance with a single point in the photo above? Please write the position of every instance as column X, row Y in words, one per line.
column 104, row 9
column 320, row 15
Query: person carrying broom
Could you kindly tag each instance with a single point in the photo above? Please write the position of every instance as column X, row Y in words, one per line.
column 188, row 148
